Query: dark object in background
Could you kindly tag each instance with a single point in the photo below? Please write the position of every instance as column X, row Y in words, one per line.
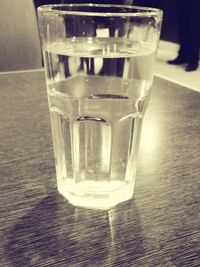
column 45, row 2
column 189, row 37
column 180, row 25
column 49, row 2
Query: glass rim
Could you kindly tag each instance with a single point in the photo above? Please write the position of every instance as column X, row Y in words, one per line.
column 137, row 11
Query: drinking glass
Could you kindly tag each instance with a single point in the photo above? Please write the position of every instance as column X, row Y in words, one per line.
column 99, row 62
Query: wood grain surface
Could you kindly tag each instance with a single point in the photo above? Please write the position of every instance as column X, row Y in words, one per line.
column 159, row 227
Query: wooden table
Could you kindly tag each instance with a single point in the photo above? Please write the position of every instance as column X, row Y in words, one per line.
column 160, row 227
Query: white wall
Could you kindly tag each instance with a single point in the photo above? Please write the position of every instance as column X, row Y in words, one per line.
column 19, row 38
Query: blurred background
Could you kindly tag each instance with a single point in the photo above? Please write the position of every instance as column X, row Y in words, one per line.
column 20, row 45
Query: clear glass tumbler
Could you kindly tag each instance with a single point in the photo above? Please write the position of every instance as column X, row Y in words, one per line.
column 99, row 63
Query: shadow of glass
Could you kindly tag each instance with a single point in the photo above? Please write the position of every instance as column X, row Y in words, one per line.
column 54, row 233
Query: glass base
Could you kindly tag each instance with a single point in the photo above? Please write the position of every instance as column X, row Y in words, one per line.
column 95, row 194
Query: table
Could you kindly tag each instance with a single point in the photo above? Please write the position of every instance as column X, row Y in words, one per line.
column 159, row 227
